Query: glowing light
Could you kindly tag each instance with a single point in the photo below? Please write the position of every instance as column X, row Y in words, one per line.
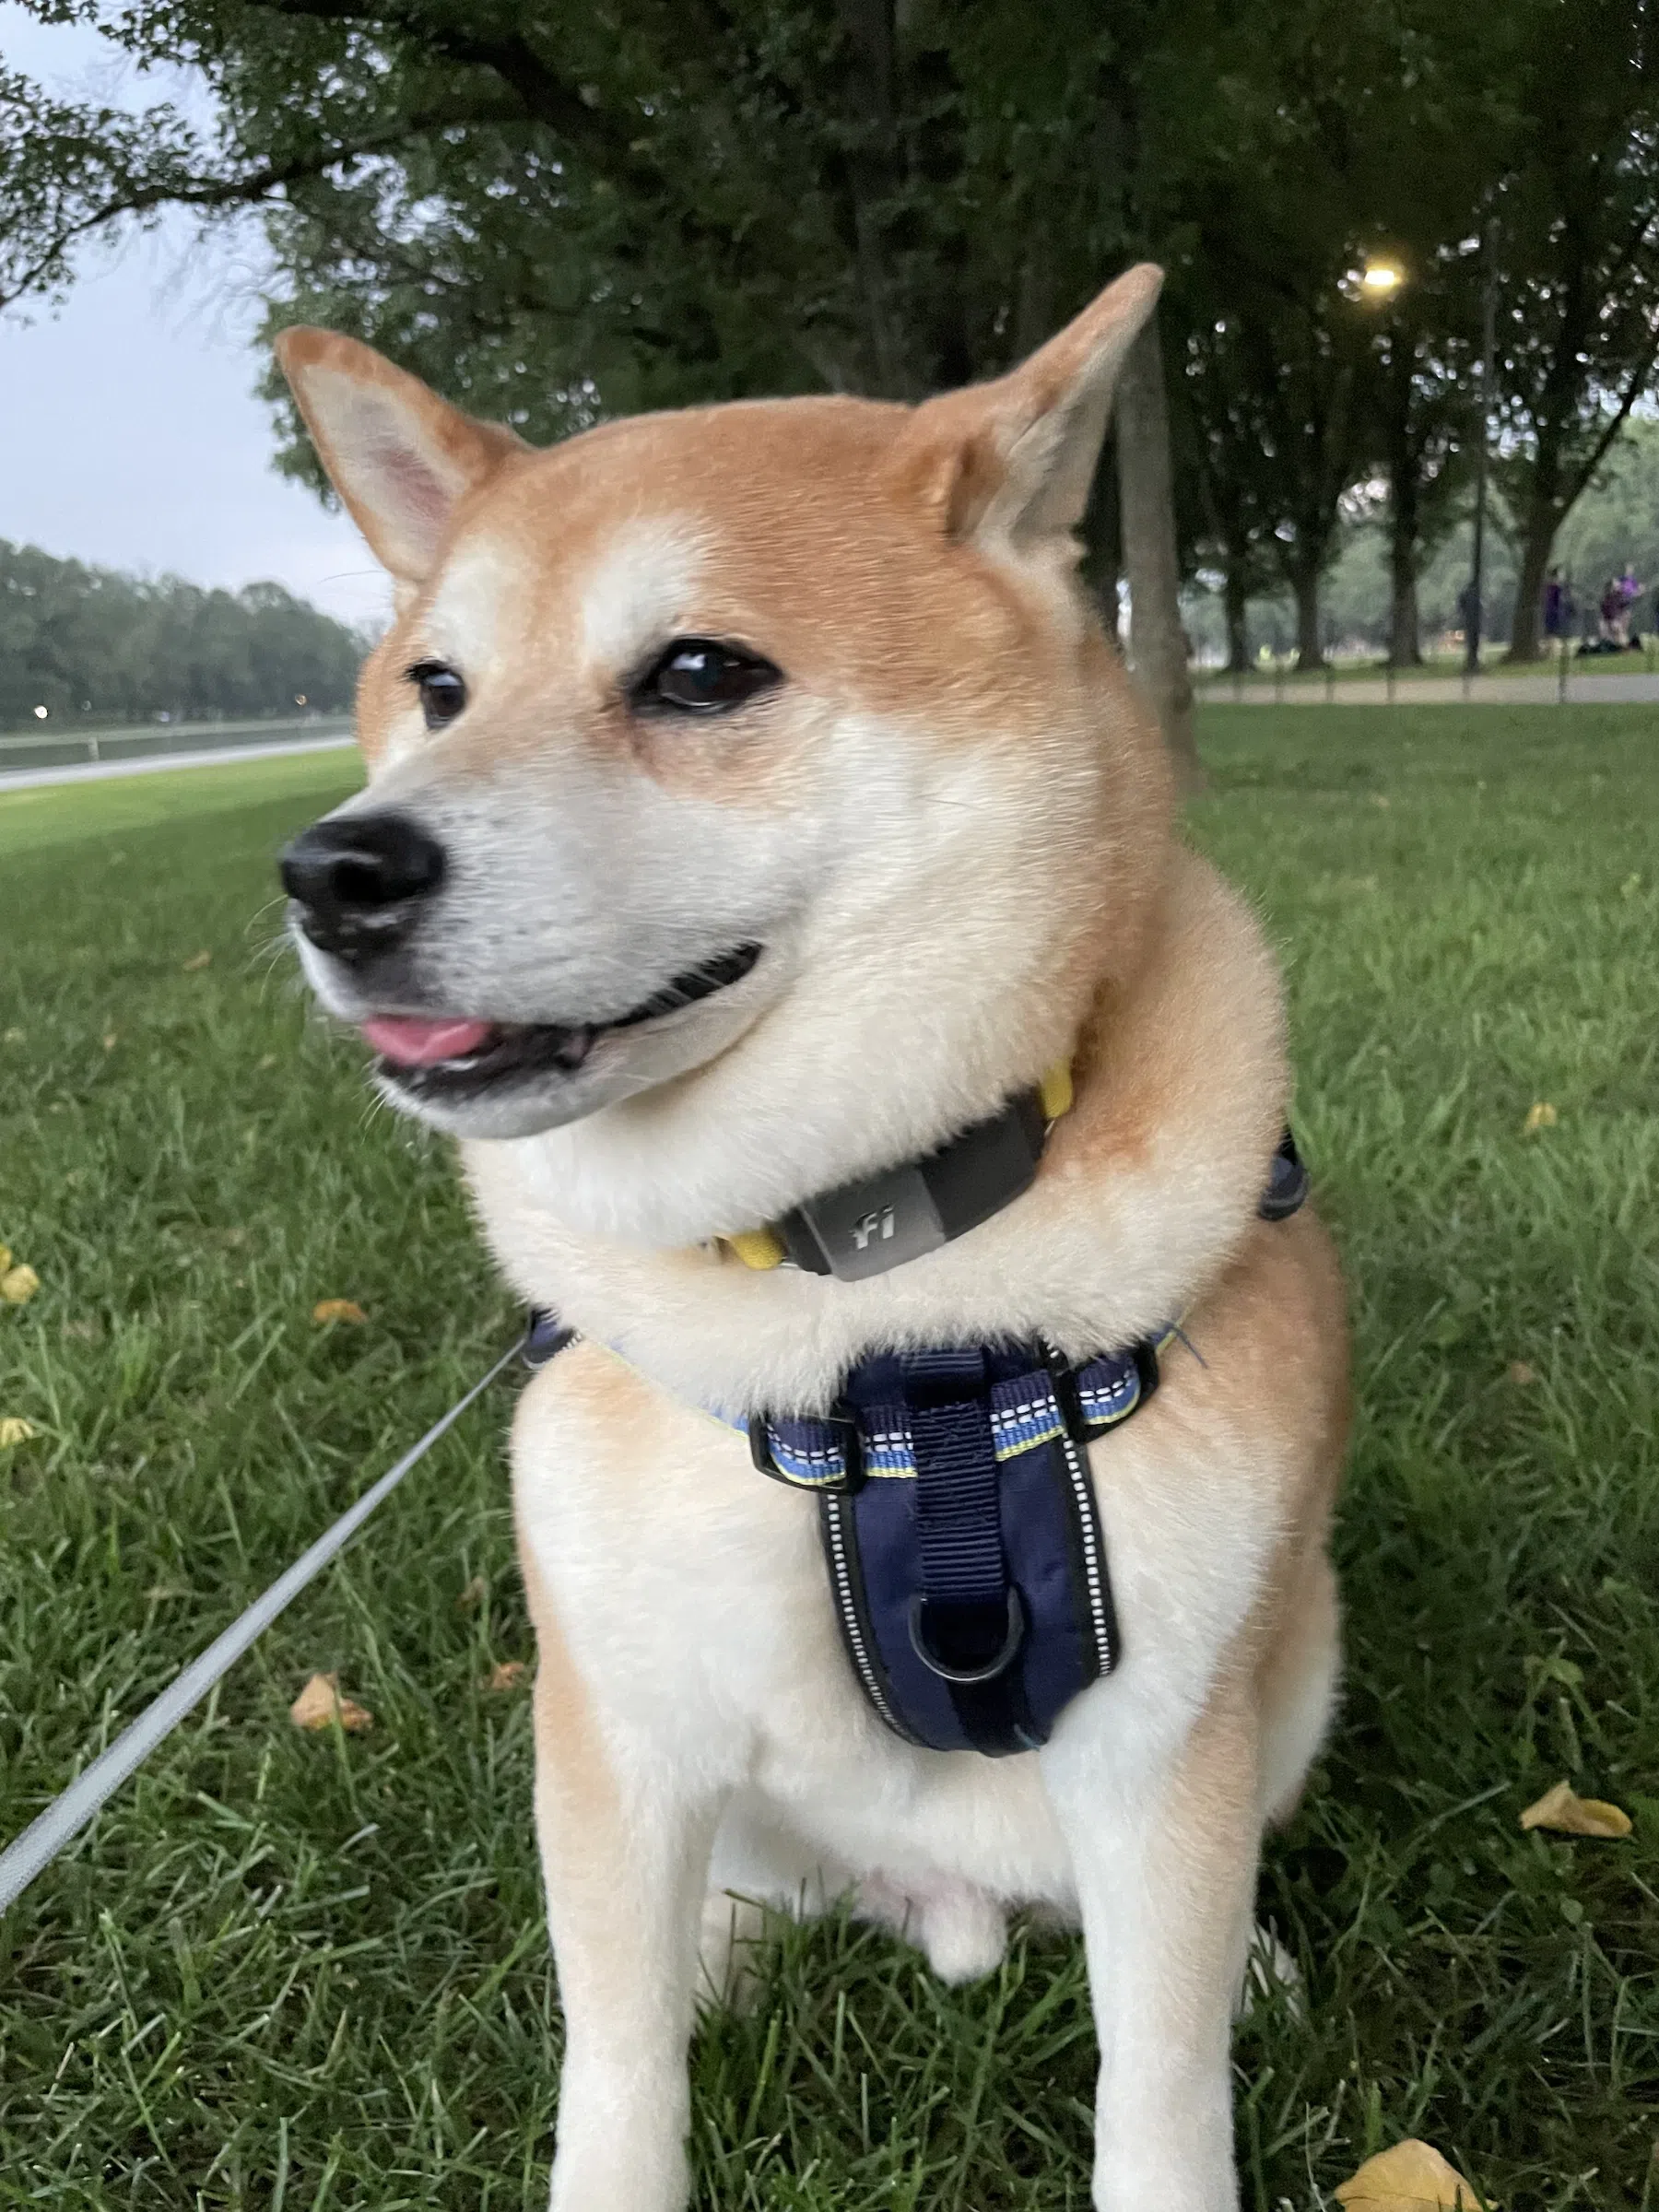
column 1379, row 278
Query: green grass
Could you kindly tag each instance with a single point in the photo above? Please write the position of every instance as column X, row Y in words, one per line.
column 295, row 1971
column 56, row 814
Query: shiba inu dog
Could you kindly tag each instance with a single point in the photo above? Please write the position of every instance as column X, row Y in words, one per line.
column 754, row 806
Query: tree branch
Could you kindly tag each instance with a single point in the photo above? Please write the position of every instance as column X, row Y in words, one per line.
column 246, row 190
column 1634, row 388
column 611, row 146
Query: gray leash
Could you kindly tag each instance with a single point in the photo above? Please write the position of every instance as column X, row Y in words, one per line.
column 65, row 1818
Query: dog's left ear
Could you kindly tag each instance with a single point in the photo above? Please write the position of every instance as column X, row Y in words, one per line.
column 1012, row 461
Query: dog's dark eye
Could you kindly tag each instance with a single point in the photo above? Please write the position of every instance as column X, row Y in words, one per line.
column 698, row 677
column 443, row 694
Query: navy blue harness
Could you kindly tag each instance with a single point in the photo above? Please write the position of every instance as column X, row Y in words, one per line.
column 966, row 1558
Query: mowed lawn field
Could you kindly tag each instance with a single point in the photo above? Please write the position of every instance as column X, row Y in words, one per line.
column 305, row 1971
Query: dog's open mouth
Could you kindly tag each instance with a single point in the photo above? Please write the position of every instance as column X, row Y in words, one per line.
column 451, row 1055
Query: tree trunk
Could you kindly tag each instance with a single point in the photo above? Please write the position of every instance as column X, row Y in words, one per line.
column 1405, row 528
column 1234, row 598
column 1404, row 646
column 1102, row 537
column 1158, row 644
column 1309, row 648
column 1540, row 537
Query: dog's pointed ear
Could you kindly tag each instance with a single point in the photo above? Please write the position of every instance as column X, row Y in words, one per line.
column 1012, row 461
column 400, row 457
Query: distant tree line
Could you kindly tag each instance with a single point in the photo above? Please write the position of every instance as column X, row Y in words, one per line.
column 555, row 212
column 91, row 644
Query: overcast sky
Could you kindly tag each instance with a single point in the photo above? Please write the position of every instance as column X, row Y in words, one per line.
column 130, row 434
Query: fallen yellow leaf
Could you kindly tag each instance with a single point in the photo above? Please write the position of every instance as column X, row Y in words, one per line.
column 1540, row 1114
column 197, row 962
column 1412, row 2177
column 110, row 1039
column 507, row 1674
column 338, row 1309
column 320, row 1700
column 14, row 1430
column 1569, row 1814
column 1520, row 1374
column 19, row 1285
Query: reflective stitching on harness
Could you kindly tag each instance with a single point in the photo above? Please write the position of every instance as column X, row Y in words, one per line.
column 1088, row 1532
column 840, row 1578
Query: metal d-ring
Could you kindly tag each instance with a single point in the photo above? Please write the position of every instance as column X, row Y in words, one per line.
column 988, row 1673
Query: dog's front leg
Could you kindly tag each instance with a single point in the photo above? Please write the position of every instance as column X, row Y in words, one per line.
column 625, row 1843
column 1164, row 1850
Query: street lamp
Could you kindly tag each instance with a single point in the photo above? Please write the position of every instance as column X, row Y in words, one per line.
column 1379, row 280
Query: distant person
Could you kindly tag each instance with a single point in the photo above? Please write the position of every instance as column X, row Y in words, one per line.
column 1468, row 608
column 1557, row 606
column 1612, row 617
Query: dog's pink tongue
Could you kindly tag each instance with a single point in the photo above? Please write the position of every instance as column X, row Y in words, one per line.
column 410, row 1041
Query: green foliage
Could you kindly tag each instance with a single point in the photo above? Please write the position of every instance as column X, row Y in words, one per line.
column 559, row 212
column 289, row 1971
column 92, row 644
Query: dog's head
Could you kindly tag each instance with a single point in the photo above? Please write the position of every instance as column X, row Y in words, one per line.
column 753, row 798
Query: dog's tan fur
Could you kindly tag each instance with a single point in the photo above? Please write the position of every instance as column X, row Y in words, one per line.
column 951, row 826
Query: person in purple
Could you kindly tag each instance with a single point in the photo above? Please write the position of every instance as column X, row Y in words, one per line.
column 1558, row 605
column 1612, row 611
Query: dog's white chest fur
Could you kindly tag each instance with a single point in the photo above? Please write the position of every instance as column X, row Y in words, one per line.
column 694, row 1591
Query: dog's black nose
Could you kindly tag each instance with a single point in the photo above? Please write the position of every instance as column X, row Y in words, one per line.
column 359, row 880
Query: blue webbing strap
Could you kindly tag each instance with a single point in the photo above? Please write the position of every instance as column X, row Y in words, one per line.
column 966, row 1624
column 959, row 1514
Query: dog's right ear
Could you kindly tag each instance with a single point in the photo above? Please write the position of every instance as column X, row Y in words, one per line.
column 400, row 457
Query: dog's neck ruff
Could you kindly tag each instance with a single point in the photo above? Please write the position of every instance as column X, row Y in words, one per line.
column 878, row 1221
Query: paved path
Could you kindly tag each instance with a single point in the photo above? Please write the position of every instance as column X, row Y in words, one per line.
column 212, row 756
column 1436, row 691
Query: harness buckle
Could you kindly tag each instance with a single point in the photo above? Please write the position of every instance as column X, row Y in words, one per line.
column 1064, row 1382
column 843, row 1419
column 545, row 1337
column 1068, row 1393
